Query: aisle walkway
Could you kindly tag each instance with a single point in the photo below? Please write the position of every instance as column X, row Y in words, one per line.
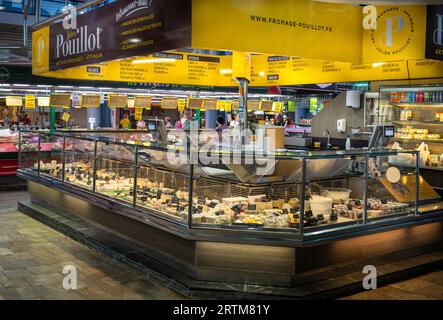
column 32, row 257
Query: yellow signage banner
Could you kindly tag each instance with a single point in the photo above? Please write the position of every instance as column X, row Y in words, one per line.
column 29, row 102
column 14, row 101
column 142, row 102
column 181, row 104
column 266, row 105
column 253, row 105
column 40, row 51
column 138, row 115
column 90, row 101
column 210, row 104
column 195, row 103
column 266, row 70
column 169, row 103
column 400, row 34
column 317, row 30
column 61, row 100
column 241, row 65
column 117, row 101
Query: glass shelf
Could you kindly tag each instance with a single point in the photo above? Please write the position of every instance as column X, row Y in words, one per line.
column 418, row 140
column 407, row 122
column 418, row 105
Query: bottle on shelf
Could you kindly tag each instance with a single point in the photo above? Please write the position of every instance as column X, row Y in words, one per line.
column 348, row 143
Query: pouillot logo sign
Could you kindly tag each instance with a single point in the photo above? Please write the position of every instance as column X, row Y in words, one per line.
column 434, row 32
column 78, row 41
column 121, row 29
column 395, row 29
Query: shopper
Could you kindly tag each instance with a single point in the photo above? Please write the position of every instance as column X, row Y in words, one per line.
column 279, row 121
column 236, row 121
column 168, row 123
column 26, row 120
column 289, row 123
column 125, row 123
column 187, row 119
column 220, row 124
column 178, row 125
column 141, row 124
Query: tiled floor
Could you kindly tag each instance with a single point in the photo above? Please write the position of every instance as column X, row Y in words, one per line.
column 32, row 257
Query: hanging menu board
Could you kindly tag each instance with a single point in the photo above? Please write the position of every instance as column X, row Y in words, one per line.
column 253, row 105
column 169, row 103
column 142, row 102
column 277, row 107
column 181, row 104
column 210, row 104
column 235, row 105
column 30, row 102
column 130, row 103
column 13, row 101
column 266, row 105
column 90, row 101
column 117, row 101
column 221, row 105
column 228, row 105
column 138, row 115
column 195, row 103
column 62, row 100
column 43, row 101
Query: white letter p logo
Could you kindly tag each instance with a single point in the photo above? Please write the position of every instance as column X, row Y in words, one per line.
column 390, row 29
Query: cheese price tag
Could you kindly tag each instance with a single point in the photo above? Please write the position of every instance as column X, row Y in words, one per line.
column 66, row 116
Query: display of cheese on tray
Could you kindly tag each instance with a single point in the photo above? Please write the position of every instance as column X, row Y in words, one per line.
column 232, row 201
column 261, row 206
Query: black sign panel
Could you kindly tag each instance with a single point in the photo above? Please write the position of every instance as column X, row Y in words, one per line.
column 122, row 29
column 434, row 32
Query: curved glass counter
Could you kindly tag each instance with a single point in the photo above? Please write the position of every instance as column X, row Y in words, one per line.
column 289, row 197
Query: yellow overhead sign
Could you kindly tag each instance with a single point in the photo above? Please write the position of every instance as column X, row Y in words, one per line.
column 29, row 102
column 400, row 34
column 305, row 28
column 266, row 70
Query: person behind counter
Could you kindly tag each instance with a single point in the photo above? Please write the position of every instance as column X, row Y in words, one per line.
column 236, row 121
column 141, row 124
column 125, row 123
column 186, row 125
column 220, row 124
column 168, row 123
column 279, row 121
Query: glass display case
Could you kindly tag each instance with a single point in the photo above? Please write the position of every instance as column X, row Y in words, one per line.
column 417, row 114
column 292, row 195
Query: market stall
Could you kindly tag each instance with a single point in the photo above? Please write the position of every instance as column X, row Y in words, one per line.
column 268, row 222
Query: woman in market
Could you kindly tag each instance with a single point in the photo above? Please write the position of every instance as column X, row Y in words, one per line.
column 220, row 124
column 168, row 123
column 125, row 123
column 236, row 121
column 279, row 121
column 186, row 125
column 141, row 124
